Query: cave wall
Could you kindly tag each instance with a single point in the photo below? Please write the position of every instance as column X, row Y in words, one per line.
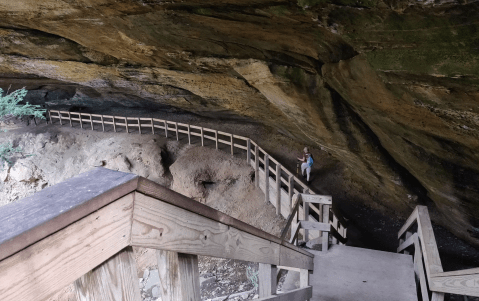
column 390, row 88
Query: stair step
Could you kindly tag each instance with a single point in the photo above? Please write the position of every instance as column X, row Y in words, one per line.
column 353, row 274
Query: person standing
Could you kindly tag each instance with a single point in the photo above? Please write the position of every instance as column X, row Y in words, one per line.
column 307, row 160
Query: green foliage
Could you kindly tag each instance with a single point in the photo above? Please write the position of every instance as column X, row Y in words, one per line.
column 279, row 10
column 252, row 276
column 9, row 105
column 204, row 11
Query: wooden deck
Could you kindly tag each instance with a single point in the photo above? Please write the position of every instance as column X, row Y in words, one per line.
column 346, row 273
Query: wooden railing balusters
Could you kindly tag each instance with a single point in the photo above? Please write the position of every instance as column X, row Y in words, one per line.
column 278, row 189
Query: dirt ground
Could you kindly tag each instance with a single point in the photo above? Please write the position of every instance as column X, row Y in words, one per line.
column 370, row 225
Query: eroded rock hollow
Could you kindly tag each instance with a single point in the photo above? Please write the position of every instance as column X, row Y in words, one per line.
column 388, row 87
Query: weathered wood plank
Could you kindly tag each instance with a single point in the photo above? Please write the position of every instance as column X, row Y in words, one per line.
column 419, row 268
column 159, row 225
column 179, row 276
column 42, row 269
column 278, row 189
column 292, row 214
column 409, row 223
column 266, row 178
column 315, row 226
column 432, row 260
column 325, row 243
column 316, row 198
column 461, row 285
column 113, row 280
column 290, row 257
column 409, row 242
column 299, row 294
column 256, row 166
column 267, row 280
column 437, row 296
column 336, row 235
column 458, row 273
column 27, row 221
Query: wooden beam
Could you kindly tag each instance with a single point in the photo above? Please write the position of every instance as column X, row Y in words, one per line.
column 176, row 129
column 299, row 294
column 306, row 218
column 325, row 219
column 40, row 270
column 256, row 165
column 114, row 123
column 291, row 190
column 202, row 138
column 294, row 233
column 292, row 214
column 437, row 296
column 292, row 258
column 315, row 226
column 460, row 285
column 232, row 144
column 335, row 226
column 278, row 189
column 179, row 276
column 267, row 280
column 102, row 123
column 409, row 242
column 432, row 260
column 316, row 198
column 266, row 178
column 248, row 151
column 166, row 129
column 159, row 225
column 113, row 280
column 409, row 223
column 419, row 268
column 304, row 280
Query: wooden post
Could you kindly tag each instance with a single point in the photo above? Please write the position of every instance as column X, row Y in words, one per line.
column 335, row 226
column 291, row 191
column 278, row 189
column 216, row 138
column 202, row 137
column 325, row 234
column 60, row 115
column 267, row 280
column 91, row 121
column 177, row 137
column 248, row 151
column 102, row 123
column 139, row 125
column 304, row 279
column 166, row 129
column 116, row 279
column 256, row 166
column 179, row 276
column 152, row 126
column 189, row 134
column 70, row 118
column 306, row 218
column 407, row 235
column 126, row 123
column 114, row 125
column 81, row 120
column 266, row 178
column 50, row 115
column 232, row 144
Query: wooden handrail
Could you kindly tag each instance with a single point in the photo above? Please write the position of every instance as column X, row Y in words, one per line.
column 462, row 282
column 106, row 211
column 190, row 133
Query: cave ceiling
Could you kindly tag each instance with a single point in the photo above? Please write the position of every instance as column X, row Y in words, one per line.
column 390, row 88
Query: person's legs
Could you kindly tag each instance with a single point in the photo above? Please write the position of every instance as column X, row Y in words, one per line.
column 308, row 171
column 303, row 167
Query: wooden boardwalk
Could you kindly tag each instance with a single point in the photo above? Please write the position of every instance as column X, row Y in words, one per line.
column 346, row 273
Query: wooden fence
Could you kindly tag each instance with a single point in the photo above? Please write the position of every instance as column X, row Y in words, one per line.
column 82, row 230
column 278, row 190
column 433, row 281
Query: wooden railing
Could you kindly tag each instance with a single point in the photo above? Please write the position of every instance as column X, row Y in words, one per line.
column 82, row 231
column 328, row 224
column 280, row 189
column 433, row 281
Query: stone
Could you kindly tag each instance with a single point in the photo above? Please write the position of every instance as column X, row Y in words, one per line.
column 155, row 292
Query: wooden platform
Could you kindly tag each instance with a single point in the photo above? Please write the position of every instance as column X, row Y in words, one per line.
column 352, row 274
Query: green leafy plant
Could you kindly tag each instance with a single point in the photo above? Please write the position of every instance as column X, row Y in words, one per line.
column 9, row 107
column 252, row 276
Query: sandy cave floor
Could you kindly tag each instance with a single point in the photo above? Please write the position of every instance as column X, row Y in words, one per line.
column 370, row 227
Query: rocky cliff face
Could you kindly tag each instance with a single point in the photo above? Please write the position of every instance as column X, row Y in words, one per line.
column 389, row 87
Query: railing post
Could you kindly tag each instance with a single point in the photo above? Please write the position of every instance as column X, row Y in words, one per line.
column 179, row 276
column 60, row 115
column 91, row 121
column 152, row 126
column 70, row 118
column 335, row 225
column 291, row 191
column 189, row 134
column 256, row 163
column 306, row 218
column 248, row 151
column 81, row 120
column 325, row 234
column 113, row 280
column 406, row 236
column 216, row 140
column 102, row 123
column 166, row 129
column 278, row 188
column 202, row 137
column 139, row 125
column 177, row 137
column 266, row 178
column 126, row 124
column 232, row 144
column 114, row 125
column 304, row 279
column 50, row 116
column 267, row 280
